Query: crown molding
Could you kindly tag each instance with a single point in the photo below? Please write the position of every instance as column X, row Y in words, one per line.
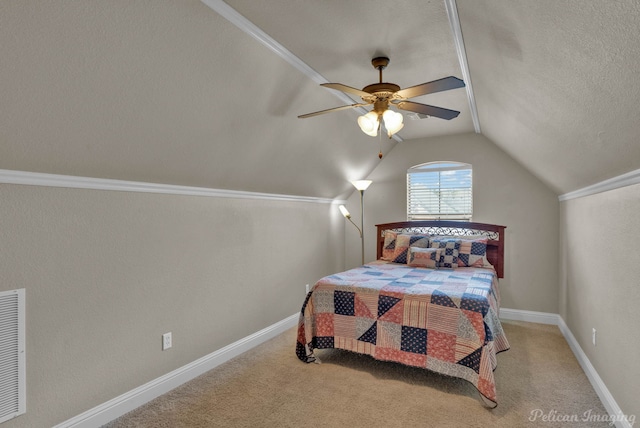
column 456, row 29
column 623, row 180
column 69, row 181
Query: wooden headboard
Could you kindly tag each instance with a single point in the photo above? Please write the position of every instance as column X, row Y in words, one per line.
column 494, row 233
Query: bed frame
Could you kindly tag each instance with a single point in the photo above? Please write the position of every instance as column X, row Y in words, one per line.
column 494, row 233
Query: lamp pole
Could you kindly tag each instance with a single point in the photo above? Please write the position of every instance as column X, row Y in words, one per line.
column 362, row 223
column 361, row 186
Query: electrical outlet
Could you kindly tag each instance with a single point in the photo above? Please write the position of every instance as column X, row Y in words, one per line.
column 593, row 337
column 307, row 288
column 166, row 341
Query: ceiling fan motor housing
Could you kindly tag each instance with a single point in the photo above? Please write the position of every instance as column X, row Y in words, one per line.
column 381, row 88
column 381, row 94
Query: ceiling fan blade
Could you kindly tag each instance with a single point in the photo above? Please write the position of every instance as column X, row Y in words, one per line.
column 440, row 112
column 303, row 116
column 347, row 89
column 440, row 85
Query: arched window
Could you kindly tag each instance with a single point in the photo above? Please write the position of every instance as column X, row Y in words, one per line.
column 440, row 190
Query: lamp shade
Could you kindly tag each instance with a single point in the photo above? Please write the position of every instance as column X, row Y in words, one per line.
column 369, row 123
column 392, row 121
column 361, row 184
column 344, row 211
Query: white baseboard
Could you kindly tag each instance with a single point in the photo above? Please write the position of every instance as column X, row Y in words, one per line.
column 118, row 406
column 617, row 416
column 529, row 316
column 615, row 413
column 135, row 398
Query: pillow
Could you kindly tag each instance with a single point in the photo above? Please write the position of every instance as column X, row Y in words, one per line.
column 389, row 246
column 472, row 252
column 450, row 251
column 424, row 257
column 406, row 240
column 469, row 251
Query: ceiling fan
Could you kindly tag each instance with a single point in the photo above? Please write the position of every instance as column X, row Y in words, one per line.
column 382, row 95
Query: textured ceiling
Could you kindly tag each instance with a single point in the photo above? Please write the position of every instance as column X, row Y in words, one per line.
column 556, row 84
column 171, row 92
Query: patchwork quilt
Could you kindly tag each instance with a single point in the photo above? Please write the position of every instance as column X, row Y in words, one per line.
column 442, row 320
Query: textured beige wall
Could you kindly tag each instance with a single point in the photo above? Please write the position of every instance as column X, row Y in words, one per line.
column 504, row 193
column 106, row 273
column 600, row 286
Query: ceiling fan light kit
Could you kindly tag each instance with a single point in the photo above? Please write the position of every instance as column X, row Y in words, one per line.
column 392, row 121
column 383, row 94
column 369, row 123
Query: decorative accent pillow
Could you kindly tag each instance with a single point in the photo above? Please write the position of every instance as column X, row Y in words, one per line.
column 406, row 240
column 389, row 247
column 424, row 257
column 450, row 251
column 480, row 249
column 472, row 252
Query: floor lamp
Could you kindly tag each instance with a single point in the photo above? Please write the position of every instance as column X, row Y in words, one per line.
column 361, row 186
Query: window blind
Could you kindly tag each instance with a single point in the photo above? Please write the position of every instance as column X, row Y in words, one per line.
column 440, row 191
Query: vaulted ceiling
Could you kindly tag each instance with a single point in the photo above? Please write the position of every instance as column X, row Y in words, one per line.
column 173, row 92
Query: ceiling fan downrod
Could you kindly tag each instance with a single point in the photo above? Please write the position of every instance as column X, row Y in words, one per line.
column 380, row 63
column 380, row 90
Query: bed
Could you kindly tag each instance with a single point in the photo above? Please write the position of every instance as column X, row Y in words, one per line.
column 430, row 300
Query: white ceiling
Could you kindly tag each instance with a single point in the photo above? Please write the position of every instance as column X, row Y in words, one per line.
column 171, row 92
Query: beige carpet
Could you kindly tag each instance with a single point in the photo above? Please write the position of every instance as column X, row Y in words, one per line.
column 539, row 383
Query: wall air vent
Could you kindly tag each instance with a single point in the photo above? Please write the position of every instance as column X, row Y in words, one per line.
column 12, row 354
